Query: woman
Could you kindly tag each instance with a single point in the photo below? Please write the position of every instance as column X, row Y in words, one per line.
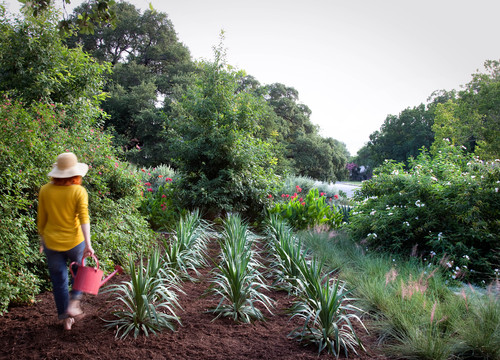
column 64, row 228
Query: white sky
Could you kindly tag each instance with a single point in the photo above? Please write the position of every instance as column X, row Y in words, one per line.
column 353, row 62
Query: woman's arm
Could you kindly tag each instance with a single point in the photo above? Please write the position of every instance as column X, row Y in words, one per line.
column 86, row 236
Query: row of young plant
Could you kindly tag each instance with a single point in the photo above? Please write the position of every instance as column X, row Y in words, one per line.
column 148, row 302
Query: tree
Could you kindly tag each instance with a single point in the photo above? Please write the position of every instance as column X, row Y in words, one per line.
column 472, row 119
column 224, row 166
column 150, row 66
column 35, row 65
column 98, row 12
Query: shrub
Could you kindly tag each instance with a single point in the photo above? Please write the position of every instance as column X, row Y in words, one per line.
column 324, row 306
column 147, row 303
column 30, row 140
column 237, row 279
column 309, row 211
column 446, row 205
column 185, row 248
column 161, row 203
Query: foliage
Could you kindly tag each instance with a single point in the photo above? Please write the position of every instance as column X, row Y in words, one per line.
column 151, row 68
column 447, row 205
column 223, row 166
column 147, row 303
column 472, row 119
column 414, row 313
column 160, row 206
column 97, row 12
column 479, row 331
column 308, row 212
column 185, row 248
column 237, row 279
column 324, row 307
column 33, row 133
column 285, row 251
column 35, row 65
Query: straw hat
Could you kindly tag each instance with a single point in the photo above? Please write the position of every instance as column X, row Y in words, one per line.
column 67, row 165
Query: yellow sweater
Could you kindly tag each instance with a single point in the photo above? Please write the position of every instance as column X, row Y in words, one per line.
column 61, row 211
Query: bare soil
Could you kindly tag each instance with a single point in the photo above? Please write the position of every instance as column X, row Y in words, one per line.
column 33, row 332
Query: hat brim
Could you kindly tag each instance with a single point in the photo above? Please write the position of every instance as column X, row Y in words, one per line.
column 80, row 169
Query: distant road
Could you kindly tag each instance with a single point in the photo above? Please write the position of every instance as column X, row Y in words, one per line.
column 347, row 188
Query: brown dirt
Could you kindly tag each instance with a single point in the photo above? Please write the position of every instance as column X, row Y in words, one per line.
column 33, row 332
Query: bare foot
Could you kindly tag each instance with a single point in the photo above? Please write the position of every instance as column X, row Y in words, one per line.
column 74, row 308
column 68, row 323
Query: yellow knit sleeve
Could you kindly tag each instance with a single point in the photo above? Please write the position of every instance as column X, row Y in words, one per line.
column 83, row 206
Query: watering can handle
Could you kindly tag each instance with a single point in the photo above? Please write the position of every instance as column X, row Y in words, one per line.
column 83, row 258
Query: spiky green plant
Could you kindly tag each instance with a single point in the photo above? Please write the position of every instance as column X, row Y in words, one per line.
column 237, row 279
column 326, row 310
column 285, row 250
column 148, row 302
column 185, row 249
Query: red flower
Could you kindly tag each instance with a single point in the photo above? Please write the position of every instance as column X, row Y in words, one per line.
column 300, row 200
column 150, row 190
column 303, row 204
column 299, row 189
column 336, row 196
column 270, row 196
column 287, row 195
column 160, row 176
column 283, row 195
column 147, row 184
column 168, row 179
column 322, row 194
column 164, row 196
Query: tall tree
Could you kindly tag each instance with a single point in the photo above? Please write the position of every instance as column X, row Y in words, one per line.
column 150, row 66
column 224, row 166
column 472, row 119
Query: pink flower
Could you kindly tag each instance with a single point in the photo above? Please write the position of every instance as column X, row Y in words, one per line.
column 322, row 194
column 303, row 204
column 270, row 196
column 336, row 196
column 299, row 189
column 147, row 184
column 164, row 196
column 150, row 190
column 300, row 200
column 168, row 179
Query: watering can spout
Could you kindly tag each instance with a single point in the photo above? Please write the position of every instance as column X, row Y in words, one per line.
column 118, row 269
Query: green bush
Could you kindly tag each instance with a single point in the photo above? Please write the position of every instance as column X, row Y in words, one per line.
column 307, row 212
column 445, row 207
column 30, row 140
column 161, row 203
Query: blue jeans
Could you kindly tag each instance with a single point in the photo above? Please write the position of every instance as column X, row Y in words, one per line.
column 58, row 270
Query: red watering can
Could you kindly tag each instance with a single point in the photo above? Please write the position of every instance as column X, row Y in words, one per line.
column 89, row 279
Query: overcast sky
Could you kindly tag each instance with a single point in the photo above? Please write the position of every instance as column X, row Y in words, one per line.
column 353, row 62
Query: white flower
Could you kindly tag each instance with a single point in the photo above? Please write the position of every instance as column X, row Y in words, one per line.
column 406, row 223
column 373, row 212
column 434, row 178
column 466, row 257
column 418, row 203
column 395, row 172
column 496, row 189
column 432, row 253
column 390, row 214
